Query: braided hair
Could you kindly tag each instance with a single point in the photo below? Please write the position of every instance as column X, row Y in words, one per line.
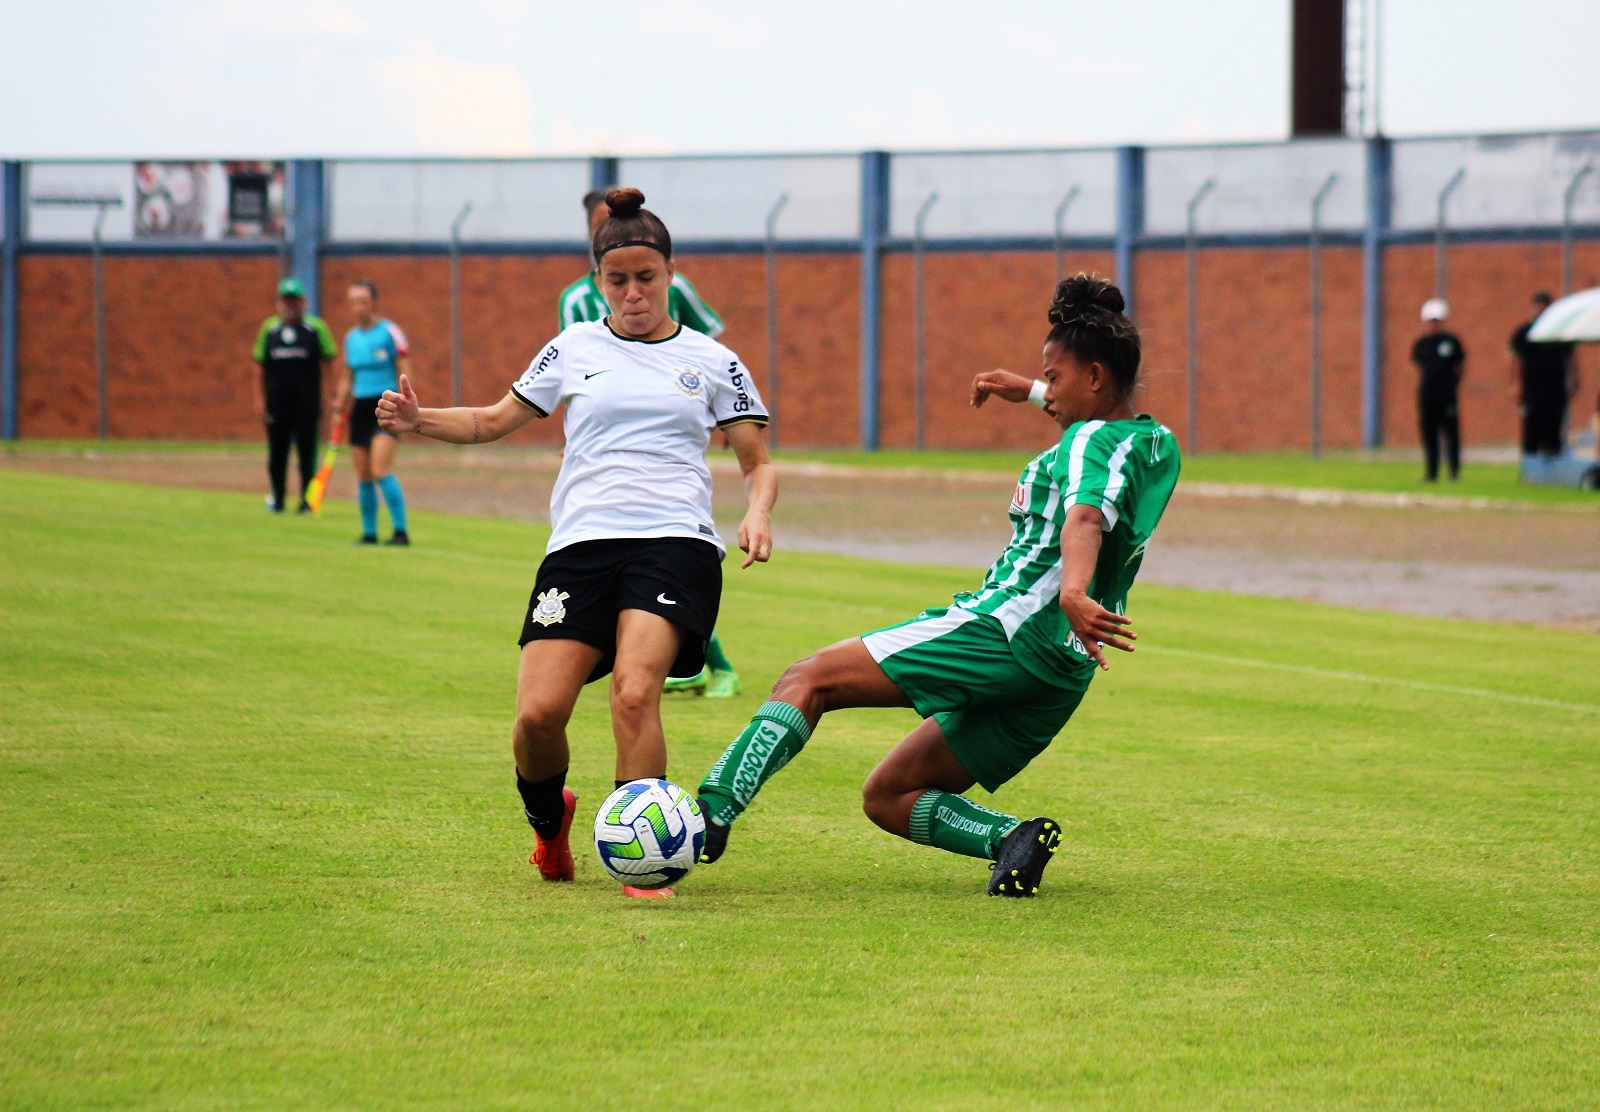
column 1087, row 320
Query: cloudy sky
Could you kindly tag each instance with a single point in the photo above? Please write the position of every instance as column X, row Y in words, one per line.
column 362, row 77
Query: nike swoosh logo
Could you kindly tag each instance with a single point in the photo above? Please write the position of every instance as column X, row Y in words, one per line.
column 586, row 378
column 662, row 598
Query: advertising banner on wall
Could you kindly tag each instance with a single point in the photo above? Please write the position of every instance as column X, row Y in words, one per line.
column 173, row 201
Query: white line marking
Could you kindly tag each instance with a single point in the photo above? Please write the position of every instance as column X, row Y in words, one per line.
column 1388, row 681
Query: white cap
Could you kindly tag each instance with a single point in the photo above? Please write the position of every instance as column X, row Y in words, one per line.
column 1435, row 308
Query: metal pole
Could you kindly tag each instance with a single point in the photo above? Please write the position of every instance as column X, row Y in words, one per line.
column 1566, row 225
column 455, row 301
column 1194, row 324
column 1316, row 313
column 874, row 230
column 921, row 346
column 772, row 317
column 1439, row 282
column 1061, row 234
column 1377, row 68
column 100, row 326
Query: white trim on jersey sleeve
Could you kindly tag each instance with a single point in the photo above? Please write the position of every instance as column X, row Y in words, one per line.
column 540, row 386
column 692, row 295
column 402, row 346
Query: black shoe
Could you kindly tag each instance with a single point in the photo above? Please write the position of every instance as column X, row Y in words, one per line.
column 399, row 540
column 304, row 508
column 1022, row 857
column 716, row 843
column 274, row 506
column 367, row 538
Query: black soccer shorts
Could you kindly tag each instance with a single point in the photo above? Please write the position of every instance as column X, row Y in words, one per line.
column 582, row 588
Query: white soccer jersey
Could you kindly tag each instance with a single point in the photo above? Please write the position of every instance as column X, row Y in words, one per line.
column 639, row 418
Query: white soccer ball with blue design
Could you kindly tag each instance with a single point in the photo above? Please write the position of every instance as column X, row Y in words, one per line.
column 649, row 833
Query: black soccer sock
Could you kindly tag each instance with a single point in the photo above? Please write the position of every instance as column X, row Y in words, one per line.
column 622, row 782
column 543, row 804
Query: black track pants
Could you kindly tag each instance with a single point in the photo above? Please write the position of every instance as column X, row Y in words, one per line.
column 292, row 414
column 1440, row 421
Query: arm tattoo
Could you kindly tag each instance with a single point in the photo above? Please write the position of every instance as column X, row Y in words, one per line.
column 477, row 428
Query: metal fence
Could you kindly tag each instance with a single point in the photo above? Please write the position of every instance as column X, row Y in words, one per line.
column 1374, row 192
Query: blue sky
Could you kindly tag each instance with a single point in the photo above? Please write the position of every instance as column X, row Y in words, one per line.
column 498, row 77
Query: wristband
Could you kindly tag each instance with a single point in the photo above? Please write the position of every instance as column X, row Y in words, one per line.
column 1036, row 395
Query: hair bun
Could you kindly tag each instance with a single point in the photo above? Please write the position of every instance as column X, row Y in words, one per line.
column 624, row 201
column 1085, row 297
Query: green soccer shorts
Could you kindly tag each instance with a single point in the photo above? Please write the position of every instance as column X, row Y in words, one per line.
column 957, row 667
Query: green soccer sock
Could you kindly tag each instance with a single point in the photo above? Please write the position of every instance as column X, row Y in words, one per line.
column 716, row 659
column 955, row 823
column 775, row 735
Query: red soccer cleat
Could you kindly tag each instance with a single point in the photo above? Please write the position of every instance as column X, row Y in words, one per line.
column 646, row 893
column 554, row 858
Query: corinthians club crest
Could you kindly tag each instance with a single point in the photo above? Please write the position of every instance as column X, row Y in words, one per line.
column 550, row 608
column 689, row 381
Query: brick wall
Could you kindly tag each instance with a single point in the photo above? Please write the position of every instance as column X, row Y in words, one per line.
column 1253, row 345
column 178, row 336
column 982, row 310
column 179, row 330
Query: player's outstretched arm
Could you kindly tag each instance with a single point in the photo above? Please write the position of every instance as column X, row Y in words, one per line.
column 1094, row 625
column 749, row 443
column 1001, row 384
column 400, row 411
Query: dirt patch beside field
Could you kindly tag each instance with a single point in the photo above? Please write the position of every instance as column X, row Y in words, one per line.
column 1521, row 564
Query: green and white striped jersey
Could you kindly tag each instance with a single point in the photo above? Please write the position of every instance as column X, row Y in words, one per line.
column 1126, row 469
column 582, row 302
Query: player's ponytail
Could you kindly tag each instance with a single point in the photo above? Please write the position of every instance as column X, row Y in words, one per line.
column 1087, row 319
column 630, row 225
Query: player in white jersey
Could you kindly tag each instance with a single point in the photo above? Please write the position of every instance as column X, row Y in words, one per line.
column 632, row 579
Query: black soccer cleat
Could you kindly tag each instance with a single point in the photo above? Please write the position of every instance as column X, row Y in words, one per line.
column 716, row 843
column 366, row 538
column 399, row 540
column 1022, row 857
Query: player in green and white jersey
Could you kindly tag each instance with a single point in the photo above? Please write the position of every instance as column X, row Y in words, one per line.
column 996, row 675
column 582, row 302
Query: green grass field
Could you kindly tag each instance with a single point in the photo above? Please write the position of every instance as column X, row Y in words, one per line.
column 261, row 849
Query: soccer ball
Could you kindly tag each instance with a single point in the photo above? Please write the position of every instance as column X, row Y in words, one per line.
column 649, row 833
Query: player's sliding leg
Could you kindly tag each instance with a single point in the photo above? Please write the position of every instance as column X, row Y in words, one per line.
column 840, row 676
column 915, row 793
column 551, row 675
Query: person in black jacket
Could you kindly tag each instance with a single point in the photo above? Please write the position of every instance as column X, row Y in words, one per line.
column 1544, row 379
column 1442, row 361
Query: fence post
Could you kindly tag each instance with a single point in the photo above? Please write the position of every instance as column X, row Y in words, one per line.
column 921, row 343
column 1372, row 235
column 771, row 252
column 1567, row 199
column 455, row 301
column 306, row 248
column 1440, row 261
column 874, row 230
column 602, row 173
column 1130, row 218
column 1061, row 231
column 1316, row 313
column 1189, row 253
column 100, row 323
column 11, row 234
